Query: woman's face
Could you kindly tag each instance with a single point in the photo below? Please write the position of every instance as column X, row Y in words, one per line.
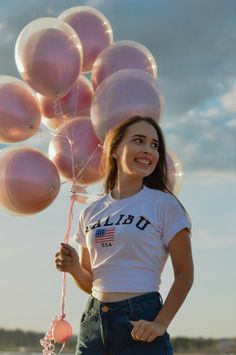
column 137, row 154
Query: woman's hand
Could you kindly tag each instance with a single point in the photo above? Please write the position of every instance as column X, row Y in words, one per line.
column 67, row 259
column 146, row 331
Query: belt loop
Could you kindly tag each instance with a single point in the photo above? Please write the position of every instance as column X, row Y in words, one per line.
column 90, row 302
column 160, row 299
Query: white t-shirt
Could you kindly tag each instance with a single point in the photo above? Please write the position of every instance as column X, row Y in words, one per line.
column 127, row 239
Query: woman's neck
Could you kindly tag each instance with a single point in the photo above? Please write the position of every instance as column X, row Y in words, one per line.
column 125, row 189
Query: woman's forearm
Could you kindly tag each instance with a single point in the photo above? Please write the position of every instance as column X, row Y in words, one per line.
column 83, row 279
column 175, row 299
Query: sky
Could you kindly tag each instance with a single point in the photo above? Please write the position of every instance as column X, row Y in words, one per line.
column 193, row 43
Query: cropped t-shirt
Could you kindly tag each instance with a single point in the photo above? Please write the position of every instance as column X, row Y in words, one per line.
column 127, row 239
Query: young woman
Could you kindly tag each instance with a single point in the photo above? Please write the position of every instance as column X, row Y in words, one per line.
column 125, row 238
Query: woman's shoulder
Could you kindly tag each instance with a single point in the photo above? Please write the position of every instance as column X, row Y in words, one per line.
column 154, row 193
column 94, row 204
column 162, row 197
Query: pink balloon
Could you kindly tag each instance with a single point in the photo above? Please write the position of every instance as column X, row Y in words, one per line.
column 93, row 29
column 61, row 331
column 48, row 55
column 19, row 112
column 124, row 94
column 174, row 170
column 29, row 181
column 84, row 150
column 76, row 103
column 122, row 55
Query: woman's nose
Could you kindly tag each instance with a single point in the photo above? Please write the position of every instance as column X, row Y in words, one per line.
column 147, row 149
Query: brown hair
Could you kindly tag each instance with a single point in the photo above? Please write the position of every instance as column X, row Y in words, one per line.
column 158, row 179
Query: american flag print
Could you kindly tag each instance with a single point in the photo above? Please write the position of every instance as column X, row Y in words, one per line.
column 105, row 235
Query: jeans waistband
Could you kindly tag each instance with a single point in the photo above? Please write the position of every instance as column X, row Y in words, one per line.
column 125, row 306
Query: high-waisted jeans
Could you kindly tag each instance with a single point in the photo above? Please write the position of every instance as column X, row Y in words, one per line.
column 105, row 327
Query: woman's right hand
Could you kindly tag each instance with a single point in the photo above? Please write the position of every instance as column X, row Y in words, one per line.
column 67, row 259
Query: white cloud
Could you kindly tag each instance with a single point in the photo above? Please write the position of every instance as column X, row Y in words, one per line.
column 229, row 100
column 211, row 112
column 231, row 123
column 209, row 176
column 227, row 105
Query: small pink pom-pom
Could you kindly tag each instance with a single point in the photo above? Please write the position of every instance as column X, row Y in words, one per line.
column 61, row 331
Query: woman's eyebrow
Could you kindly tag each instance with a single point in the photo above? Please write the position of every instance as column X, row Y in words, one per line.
column 142, row 136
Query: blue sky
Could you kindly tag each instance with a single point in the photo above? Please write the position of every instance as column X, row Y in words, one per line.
column 193, row 43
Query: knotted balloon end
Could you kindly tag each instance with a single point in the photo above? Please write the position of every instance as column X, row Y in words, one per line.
column 59, row 331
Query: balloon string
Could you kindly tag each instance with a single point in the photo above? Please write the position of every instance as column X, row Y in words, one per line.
column 66, row 239
column 60, row 113
column 76, row 95
column 86, row 164
column 70, row 217
column 73, row 197
column 82, row 167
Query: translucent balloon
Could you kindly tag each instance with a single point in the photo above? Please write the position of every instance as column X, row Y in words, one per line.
column 29, row 181
column 19, row 112
column 76, row 103
column 48, row 55
column 122, row 95
column 61, row 331
column 174, row 170
column 122, row 55
column 75, row 145
column 93, row 29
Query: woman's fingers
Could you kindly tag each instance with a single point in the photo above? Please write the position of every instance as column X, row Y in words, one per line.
column 65, row 249
column 66, row 258
column 138, row 332
column 145, row 331
column 63, row 259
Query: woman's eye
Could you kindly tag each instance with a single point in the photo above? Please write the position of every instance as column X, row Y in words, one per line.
column 155, row 145
column 138, row 140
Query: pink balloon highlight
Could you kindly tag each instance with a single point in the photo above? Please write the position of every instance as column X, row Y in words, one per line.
column 49, row 59
column 61, row 331
column 76, row 145
column 93, row 29
column 29, row 181
column 174, row 170
column 122, row 55
column 122, row 95
column 76, row 103
column 19, row 112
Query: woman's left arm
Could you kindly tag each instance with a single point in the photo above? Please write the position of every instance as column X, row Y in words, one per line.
column 181, row 257
column 182, row 262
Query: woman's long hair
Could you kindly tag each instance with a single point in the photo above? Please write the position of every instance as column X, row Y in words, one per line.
column 158, row 179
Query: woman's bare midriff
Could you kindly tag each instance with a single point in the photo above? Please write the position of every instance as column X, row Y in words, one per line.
column 114, row 296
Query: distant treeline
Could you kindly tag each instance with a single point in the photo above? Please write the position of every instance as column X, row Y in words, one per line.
column 18, row 340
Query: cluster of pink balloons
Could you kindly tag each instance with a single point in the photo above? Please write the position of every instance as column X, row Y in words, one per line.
column 55, row 57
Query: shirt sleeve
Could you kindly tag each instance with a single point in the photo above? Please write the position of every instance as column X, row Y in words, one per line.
column 174, row 219
column 80, row 236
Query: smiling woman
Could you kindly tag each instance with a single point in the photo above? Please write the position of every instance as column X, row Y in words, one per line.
column 125, row 239
column 196, row 71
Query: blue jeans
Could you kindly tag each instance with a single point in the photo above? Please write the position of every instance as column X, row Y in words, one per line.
column 105, row 327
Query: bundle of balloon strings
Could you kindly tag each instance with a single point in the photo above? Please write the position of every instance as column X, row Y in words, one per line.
column 60, row 330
